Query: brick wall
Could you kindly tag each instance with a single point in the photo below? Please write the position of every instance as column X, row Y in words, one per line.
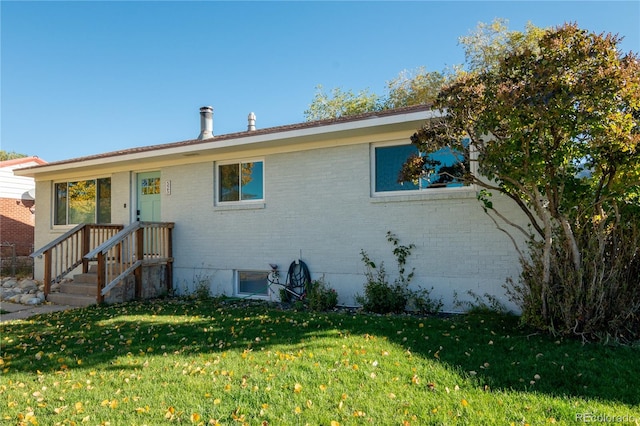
column 318, row 206
column 17, row 224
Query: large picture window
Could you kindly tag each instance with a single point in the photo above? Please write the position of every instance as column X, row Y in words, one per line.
column 86, row 201
column 242, row 181
column 388, row 161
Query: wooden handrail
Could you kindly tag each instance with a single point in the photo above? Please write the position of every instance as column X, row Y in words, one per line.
column 111, row 242
column 58, row 240
column 66, row 253
column 124, row 254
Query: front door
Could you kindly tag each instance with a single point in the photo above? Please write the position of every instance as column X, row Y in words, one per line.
column 148, row 197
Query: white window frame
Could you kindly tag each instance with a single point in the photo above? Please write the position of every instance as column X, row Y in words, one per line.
column 216, row 179
column 465, row 189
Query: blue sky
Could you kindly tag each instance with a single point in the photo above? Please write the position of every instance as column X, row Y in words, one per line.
column 82, row 77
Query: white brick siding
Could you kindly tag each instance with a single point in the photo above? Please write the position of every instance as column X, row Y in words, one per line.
column 318, row 206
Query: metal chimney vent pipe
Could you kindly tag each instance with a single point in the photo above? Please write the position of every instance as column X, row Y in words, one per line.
column 251, row 126
column 206, row 123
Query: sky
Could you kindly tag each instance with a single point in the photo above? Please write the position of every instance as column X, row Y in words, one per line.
column 86, row 77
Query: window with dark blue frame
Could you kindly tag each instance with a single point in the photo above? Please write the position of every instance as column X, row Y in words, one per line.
column 445, row 169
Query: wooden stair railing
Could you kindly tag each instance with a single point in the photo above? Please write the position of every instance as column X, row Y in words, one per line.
column 137, row 245
column 66, row 253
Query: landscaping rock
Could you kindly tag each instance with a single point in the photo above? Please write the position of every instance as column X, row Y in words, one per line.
column 25, row 292
column 25, row 298
column 9, row 283
column 15, row 299
column 6, row 293
column 28, row 285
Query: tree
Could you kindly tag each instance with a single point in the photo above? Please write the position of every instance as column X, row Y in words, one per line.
column 486, row 45
column 341, row 103
column 5, row 155
column 417, row 87
column 407, row 89
column 552, row 118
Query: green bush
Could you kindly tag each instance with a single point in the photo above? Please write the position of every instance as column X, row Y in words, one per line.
column 285, row 297
column 422, row 302
column 480, row 304
column 320, row 297
column 382, row 297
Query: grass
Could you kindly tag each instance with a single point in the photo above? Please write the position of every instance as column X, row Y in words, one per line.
column 209, row 362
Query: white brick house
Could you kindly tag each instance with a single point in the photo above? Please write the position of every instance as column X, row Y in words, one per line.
column 320, row 191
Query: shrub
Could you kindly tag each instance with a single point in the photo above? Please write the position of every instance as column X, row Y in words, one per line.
column 599, row 302
column 202, row 287
column 285, row 297
column 481, row 303
column 202, row 290
column 320, row 297
column 382, row 297
column 422, row 302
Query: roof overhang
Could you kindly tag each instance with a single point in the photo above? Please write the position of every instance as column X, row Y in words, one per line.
column 274, row 139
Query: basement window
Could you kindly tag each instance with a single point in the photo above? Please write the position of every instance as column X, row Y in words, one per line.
column 240, row 182
column 252, row 283
column 86, row 201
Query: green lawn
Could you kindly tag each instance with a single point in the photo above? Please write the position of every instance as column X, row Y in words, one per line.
column 208, row 362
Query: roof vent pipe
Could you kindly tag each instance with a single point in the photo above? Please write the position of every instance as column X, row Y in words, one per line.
column 206, row 123
column 251, row 126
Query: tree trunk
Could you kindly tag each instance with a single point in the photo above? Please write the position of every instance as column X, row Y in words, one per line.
column 545, row 215
column 573, row 245
column 546, row 264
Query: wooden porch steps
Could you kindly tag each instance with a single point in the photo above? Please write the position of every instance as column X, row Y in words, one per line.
column 103, row 244
column 79, row 292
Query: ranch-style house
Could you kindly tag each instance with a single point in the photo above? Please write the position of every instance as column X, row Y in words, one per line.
column 216, row 211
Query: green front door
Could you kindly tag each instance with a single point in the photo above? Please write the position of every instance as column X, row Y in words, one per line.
column 148, row 197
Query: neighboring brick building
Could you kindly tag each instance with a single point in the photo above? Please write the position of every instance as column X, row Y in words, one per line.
column 17, row 205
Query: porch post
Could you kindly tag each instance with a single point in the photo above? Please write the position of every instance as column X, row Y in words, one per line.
column 139, row 256
column 47, row 273
column 170, row 256
column 101, row 277
column 86, row 241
